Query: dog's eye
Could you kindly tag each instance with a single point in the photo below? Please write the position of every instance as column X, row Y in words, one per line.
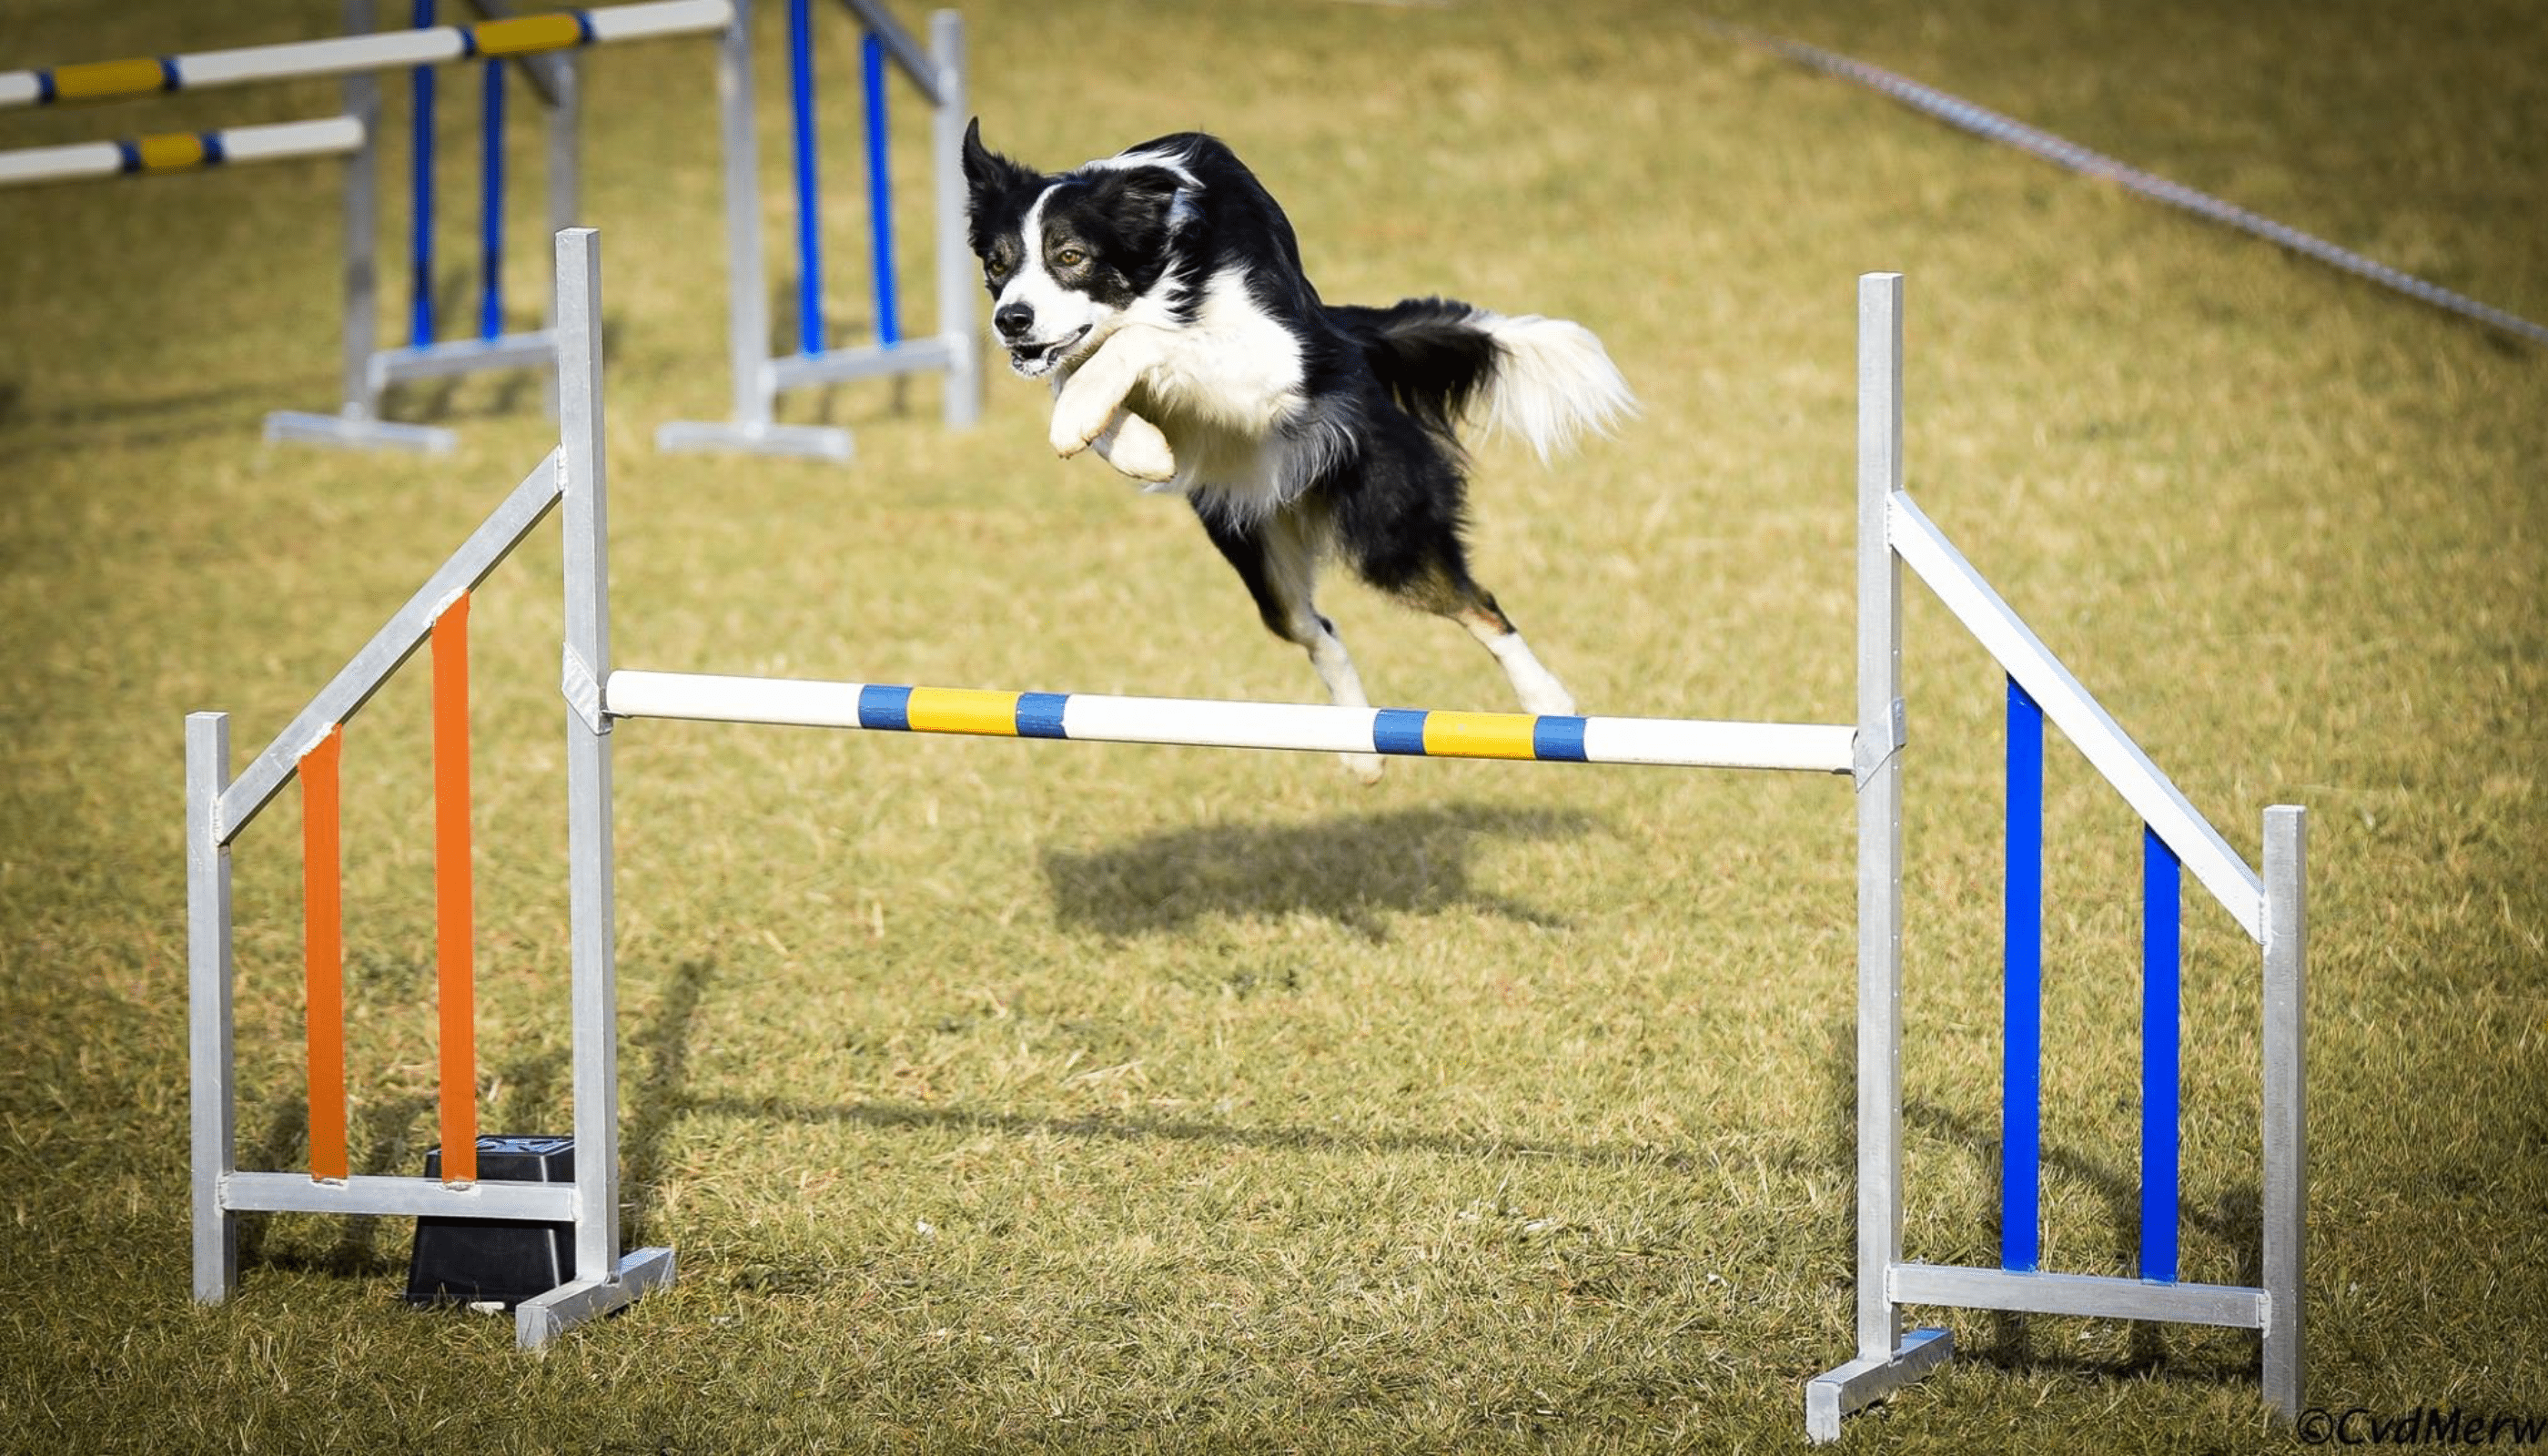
column 1070, row 257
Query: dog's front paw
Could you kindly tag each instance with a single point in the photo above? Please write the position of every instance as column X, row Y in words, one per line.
column 1135, row 447
column 1076, row 426
column 1363, row 767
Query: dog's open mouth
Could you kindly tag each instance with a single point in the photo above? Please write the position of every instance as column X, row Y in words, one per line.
column 1031, row 360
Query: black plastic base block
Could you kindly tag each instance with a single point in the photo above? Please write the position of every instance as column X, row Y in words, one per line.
column 496, row 1261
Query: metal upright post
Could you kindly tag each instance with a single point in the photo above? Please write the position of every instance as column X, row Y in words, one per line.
column 2286, row 1133
column 956, row 286
column 1884, row 1359
column 565, row 176
column 603, row 1280
column 208, row 1004
column 362, row 218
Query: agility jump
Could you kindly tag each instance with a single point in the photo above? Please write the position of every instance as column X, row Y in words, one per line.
column 936, row 72
column 1893, row 534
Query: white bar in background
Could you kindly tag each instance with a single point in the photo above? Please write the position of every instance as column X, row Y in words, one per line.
column 2089, row 727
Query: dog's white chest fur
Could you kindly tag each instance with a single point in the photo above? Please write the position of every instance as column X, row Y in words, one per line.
column 1219, row 387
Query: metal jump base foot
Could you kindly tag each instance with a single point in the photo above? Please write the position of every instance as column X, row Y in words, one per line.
column 1863, row 1382
column 543, row 1318
column 817, row 441
column 355, row 432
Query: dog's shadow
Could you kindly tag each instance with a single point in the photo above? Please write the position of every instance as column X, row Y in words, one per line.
column 1352, row 868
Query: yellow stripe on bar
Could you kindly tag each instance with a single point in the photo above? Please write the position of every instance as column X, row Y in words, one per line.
column 93, row 79
column 170, row 151
column 526, row 35
column 964, row 710
column 1478, row 735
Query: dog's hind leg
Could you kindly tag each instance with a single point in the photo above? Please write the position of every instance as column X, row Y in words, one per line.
column 1429, row 571
column 1279, row 564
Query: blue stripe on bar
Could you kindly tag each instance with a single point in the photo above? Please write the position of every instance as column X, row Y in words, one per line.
column 1558, row 738
column 884, row 707
column 168, row 78
column 131, row 155
column 214, row 152
column 45, row 92
column 1399, row 731
column 2020, row 1172
column 1039, row 714
column 584, row 27
column 2161, row 881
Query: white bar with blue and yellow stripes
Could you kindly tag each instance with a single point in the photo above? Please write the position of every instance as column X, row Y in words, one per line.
column 521, row 34
column 1809, row 748
column 181, row 151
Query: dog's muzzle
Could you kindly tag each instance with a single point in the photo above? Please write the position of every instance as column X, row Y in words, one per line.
column 1034, row 359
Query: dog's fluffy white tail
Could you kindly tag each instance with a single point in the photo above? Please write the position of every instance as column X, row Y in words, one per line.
column 1553, row 382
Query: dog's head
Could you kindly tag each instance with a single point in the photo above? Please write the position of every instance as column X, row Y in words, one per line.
column 1066, row 257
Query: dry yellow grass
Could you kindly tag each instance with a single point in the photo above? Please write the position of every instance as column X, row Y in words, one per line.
column 1007, row 1095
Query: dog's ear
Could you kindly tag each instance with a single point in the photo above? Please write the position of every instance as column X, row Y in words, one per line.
column 987, row 174
column 1149, row 205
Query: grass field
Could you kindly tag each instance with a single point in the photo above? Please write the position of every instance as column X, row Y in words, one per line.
column 1005, row 1096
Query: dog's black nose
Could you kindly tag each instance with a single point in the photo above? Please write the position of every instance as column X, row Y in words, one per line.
column 1013, row 321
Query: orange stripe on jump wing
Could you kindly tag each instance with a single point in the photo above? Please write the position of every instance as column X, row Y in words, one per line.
column 453, row 916
column 322, row 910
column 964, row 710
column 1478, row 735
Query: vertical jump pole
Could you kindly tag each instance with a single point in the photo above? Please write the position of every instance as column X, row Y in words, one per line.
column 957, row 284
column 322, row 915
column 1880, row 815
column 2020, row 1169
column 746, row 302
column 2161, row 1053
column 419, row 306
column 880, row 192
column 209, row 1059
column 362, row 185
column 809, row 202
column 453, row 911
column 2286, row 1096
column 565, row 176
column 490, row 203
column 592, row 915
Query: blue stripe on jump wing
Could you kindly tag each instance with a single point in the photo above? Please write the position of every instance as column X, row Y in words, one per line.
column 2161, row 913
column 884, row 707
column 1558, row 738
column 2022, row 966
column 1399, row 731
column 1039, row 714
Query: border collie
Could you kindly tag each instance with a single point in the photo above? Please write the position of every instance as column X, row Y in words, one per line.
column 1160, row 291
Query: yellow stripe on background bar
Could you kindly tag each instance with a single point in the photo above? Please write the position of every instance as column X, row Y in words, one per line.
column 93, row 79
column 170, row 151
column 525, row 34
column 1478, row 735
column 962, row 710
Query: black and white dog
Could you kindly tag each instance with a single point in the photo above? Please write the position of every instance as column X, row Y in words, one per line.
column 1161, row 292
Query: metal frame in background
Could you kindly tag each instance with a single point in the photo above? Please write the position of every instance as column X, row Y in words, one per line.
column 369, row 371
column 1893, row 533
column 759, row 378
column 218, row 809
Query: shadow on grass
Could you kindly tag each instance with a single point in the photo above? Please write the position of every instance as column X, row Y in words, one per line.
column 1351, row 869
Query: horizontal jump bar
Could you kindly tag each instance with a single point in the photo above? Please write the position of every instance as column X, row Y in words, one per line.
column 338, row 55
column 179, row 151
column 2081, row 718
column 1209, row 723
column 2097, row 1296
